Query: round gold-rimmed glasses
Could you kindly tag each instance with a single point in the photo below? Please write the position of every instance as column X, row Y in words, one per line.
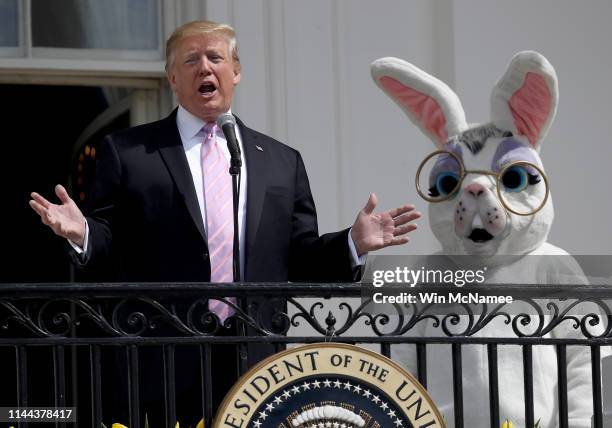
column 444, row 173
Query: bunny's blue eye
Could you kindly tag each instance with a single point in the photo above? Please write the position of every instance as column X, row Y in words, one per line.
column 446, row 182
column 516, row 178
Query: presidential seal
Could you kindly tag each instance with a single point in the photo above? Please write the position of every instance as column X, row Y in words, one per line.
column 328, row 385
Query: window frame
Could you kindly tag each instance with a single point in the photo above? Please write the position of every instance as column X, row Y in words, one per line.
column 25, row 61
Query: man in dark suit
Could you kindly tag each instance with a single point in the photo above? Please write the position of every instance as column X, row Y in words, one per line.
column 155, row 211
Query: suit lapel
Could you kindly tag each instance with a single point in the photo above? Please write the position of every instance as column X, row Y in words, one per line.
column 256, row 158
column 173, row 153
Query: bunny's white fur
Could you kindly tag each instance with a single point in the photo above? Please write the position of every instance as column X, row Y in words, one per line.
column 523, row 106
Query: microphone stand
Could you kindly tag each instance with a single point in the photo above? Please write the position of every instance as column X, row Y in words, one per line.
column 227, row 123
column 235, row 165
column 234, row 170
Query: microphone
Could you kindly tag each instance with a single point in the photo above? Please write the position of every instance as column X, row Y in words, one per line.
column 227, row 123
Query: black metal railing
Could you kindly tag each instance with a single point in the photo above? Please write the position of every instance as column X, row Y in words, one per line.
column 66, row 330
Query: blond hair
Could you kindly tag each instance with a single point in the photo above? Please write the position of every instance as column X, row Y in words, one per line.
column 196, row 28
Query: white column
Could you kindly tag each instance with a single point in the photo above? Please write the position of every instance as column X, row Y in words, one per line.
column 606, row 375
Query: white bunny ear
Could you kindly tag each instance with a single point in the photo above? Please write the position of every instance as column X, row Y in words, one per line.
column 429, row 103
column 525, row 99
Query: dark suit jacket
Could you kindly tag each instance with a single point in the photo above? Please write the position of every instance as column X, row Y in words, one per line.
column 145, row 223
column 145, row 216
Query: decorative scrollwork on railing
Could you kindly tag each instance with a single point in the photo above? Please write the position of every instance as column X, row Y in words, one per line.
column 351, row 316
column 536, row 319
column 375, row 321
column 201, row 320
column 309, row 316
column 128, row 317
column 147, row 314
column 23, row 319
column 271, row 315
column 60, row 319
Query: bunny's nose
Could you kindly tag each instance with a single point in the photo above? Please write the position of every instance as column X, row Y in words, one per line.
column 475, row 189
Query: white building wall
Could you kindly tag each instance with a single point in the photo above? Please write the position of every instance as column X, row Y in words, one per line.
column 306, row 81
column 577, row 153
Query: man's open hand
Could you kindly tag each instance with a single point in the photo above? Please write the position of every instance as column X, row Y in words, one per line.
column 373, row 231
column 66, row 219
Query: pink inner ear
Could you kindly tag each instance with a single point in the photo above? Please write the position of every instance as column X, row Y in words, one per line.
column 530, row 106
column 424, row 108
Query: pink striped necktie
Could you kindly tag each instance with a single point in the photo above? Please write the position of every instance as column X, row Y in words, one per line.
column 219, row 215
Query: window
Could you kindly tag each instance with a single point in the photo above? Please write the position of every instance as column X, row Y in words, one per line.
column 85, row 24
column 109, row 30
column 9, row 19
